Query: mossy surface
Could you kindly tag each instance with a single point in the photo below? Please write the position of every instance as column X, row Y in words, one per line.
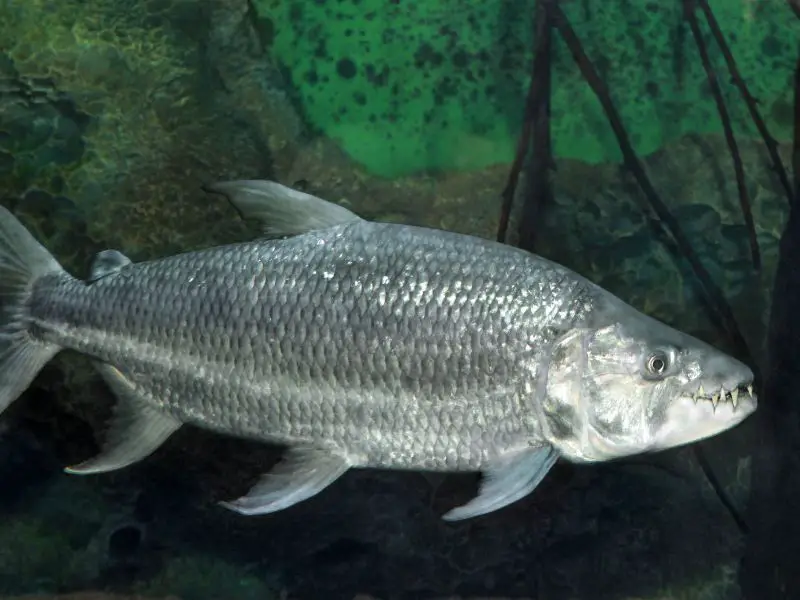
column 199, row 577
column 415, row 86
column 39, row 557
column 115, row 115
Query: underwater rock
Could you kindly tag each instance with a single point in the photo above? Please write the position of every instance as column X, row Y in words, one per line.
column 367, row 597
column 130, row 106
column 87, row 596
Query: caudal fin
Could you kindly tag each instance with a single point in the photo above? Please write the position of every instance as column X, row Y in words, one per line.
column 22, row 261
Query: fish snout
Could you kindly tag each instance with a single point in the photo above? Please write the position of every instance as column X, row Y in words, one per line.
column 722, row 372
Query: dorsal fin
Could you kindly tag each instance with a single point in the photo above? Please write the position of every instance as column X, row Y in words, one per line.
column 107, row 262
column 280, row 210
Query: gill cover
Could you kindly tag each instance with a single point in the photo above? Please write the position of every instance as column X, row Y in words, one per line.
column 597, row 402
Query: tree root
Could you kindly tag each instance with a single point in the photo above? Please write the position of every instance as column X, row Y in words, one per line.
column 689, row 8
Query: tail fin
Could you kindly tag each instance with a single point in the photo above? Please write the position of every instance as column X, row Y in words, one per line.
column 22, row 261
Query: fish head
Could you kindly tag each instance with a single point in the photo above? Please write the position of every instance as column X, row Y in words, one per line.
column 636, row 385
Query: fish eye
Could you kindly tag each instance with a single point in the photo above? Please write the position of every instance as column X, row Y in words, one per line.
column 657, row 363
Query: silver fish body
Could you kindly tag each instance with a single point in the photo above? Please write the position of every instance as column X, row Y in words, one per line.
column 355, row 344
column 399, row 346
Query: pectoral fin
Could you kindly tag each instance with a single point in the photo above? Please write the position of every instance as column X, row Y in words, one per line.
column 303, row 473
column 511, row 478
column 136, row 430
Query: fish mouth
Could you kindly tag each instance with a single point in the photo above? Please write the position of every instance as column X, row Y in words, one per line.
column 703, row 414
column 742, row 392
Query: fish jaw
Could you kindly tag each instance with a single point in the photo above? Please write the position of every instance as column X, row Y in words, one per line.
column 604, row 398
column 698, row 416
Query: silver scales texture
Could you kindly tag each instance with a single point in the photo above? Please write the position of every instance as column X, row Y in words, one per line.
column 402, row 347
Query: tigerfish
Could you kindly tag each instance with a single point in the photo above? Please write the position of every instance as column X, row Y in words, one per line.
column 360, row 344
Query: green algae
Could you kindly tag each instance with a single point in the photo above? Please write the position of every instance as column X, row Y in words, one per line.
column 422, row 86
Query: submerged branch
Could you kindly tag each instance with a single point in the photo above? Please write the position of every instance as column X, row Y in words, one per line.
column 796, row 137
column 721, row 312
column 513, row 175
column 714, row 299
column 719, row 306
column 690, row 15
column 795, row 6
column 539, row 181
column 719, row 489
column 769, row 141
column 535, row 126
column 516, row 167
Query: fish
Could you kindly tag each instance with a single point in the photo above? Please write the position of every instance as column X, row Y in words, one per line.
column 358, row 344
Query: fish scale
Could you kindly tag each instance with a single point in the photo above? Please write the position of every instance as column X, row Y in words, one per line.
column 301, row 362
column 360, row 344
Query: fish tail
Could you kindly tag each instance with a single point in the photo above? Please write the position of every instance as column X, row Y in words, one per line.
column 23, row 260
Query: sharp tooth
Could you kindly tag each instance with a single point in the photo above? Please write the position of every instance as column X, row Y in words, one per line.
column 715, row 400
column 722, row 394
column 701, row 391
column 750, row 390
column 735, row 397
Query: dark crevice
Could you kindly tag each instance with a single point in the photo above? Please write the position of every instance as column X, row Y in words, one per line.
column 769, row 566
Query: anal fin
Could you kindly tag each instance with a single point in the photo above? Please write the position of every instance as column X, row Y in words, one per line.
column 510, row 478
column 301, row 474
column 136, row 429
